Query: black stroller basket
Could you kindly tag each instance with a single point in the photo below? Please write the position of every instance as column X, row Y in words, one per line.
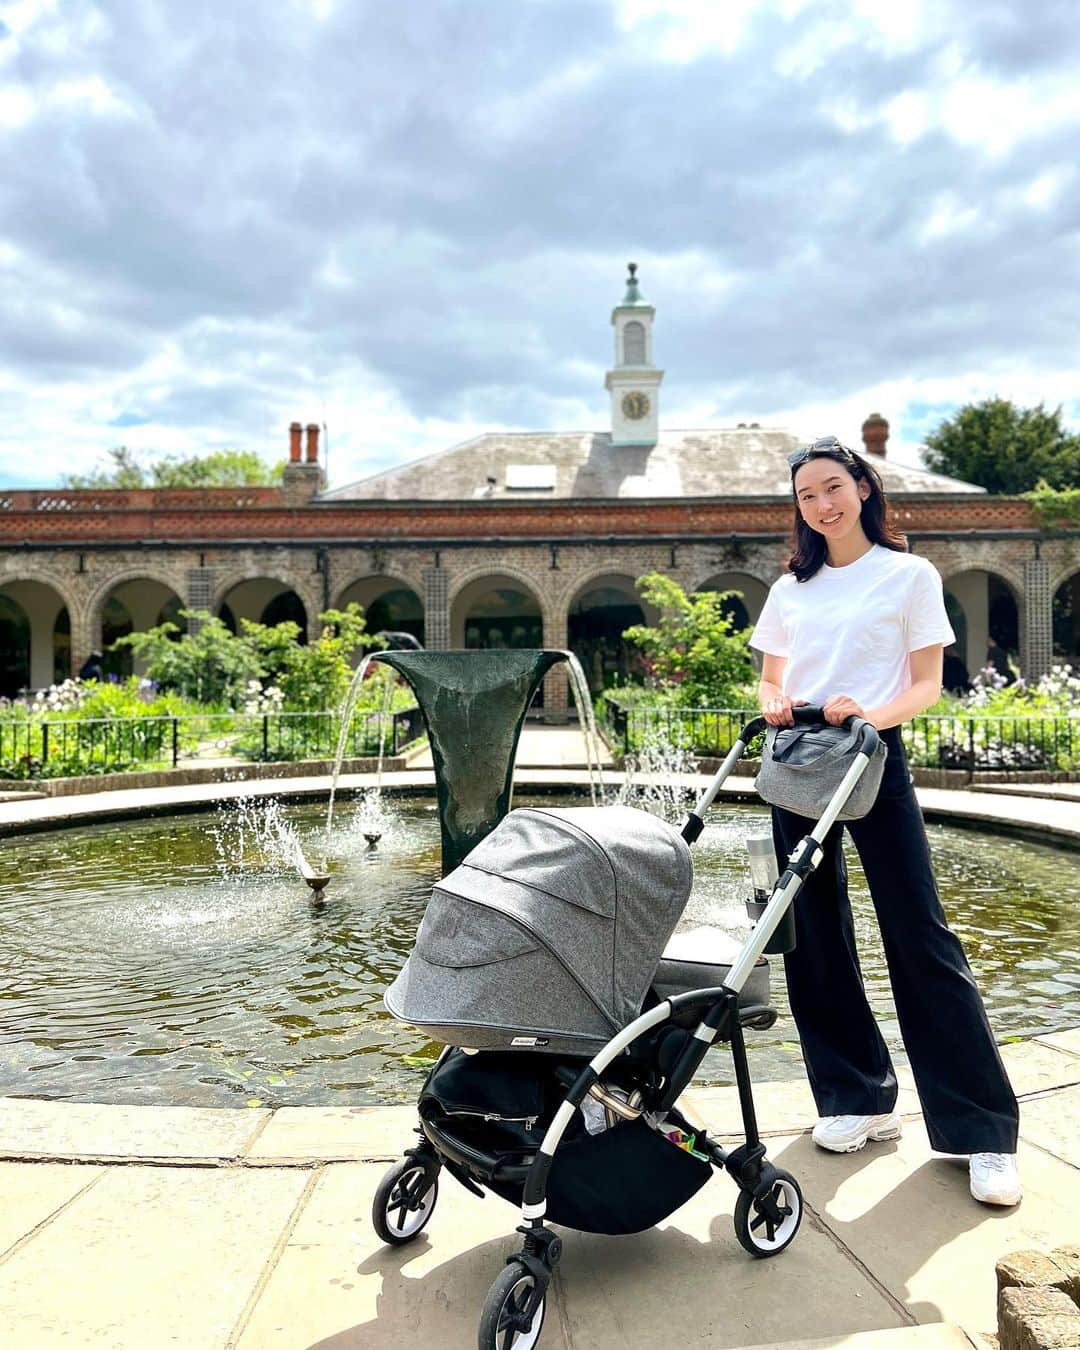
column 590, row 1138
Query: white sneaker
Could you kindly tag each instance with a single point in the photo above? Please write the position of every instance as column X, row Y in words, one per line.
column 995, row 1178
column 848, row 1134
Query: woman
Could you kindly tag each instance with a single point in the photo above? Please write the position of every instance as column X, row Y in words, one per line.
column 858, row 625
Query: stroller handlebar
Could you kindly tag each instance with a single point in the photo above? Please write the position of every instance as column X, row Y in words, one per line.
column 804, row 714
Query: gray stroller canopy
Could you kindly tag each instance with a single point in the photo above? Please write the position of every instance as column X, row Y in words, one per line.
column 548, row 934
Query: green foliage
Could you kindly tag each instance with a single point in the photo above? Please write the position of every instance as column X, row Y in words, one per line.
column 220, row 468
column 1006, row 449
column 1058, row 507
column 123, row 471
column 317, row 676
column 693, row 652
column 87, row 727
column 212, row 666
column 217, row 667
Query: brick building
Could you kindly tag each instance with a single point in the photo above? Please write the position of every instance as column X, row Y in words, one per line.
column 509, row 539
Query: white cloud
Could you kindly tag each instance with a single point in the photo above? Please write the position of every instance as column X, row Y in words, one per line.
column 415, row 220
column 996, row 116
column 948, row 216
column 1044, row 190
column 680, row 30
column 16, row 106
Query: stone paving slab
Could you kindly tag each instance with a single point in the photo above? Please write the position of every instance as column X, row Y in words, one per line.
column 336, row 1285
column 1053, row 1122
column 30, row 1196
column 689, row 1282
column 304, row 1135
column 780, row 1107
column 276, row 1247
column 938, row 1337
column 1067, row 1041
column 148, row 1257
column 44, row 1129
column 1051, row 791
column 1058, row 820
column 335, row 1133
column 911, row 1221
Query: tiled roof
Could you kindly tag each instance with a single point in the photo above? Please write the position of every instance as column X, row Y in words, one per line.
column 740, row 462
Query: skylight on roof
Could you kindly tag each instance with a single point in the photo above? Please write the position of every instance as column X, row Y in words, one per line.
column 530, row 478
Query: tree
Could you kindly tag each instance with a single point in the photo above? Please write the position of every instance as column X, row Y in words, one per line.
column 124, row 471
column 1004, row 448
column 693, row 650
column 221, row 468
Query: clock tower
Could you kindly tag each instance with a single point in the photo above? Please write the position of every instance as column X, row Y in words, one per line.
column 633, row 381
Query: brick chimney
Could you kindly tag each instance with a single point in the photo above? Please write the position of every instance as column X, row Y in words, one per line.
column 875, row 432
column 302, row 479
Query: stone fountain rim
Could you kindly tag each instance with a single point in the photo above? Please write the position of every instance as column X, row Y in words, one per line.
column 37, row 814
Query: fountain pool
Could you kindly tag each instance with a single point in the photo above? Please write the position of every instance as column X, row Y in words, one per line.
column 178, row 961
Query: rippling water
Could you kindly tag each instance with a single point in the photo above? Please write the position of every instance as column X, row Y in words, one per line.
column 177, row 961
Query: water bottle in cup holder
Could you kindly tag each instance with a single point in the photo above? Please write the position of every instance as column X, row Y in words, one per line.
column 764, row 875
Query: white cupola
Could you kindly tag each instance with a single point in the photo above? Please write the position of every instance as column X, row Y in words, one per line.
column 633, row 381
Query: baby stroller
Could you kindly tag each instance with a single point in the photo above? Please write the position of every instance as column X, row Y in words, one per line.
column 572, row 1025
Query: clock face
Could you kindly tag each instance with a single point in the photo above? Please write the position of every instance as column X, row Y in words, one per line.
column 635, row 405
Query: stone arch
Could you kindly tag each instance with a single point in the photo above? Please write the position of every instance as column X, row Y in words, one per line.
column 496, row 607
column 35, row 634
column 1066, row 619
column 130, row 601
column 745, row 608
column 389, row 602
column 599, row 610
column 263, row 598
column 984, row 603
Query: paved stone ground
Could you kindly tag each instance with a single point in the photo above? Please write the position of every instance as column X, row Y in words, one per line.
column 214, row 1229
column 145, row 1227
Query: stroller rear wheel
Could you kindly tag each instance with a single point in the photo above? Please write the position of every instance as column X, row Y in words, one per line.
column 404, row 1200
column 766, row 1224
column 504, row 1322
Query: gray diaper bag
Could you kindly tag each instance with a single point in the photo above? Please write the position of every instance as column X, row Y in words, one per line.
column 803, row 766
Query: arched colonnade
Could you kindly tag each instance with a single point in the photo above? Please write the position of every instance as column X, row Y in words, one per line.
column 50, row 620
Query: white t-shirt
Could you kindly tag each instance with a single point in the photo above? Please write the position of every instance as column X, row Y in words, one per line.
column 848, row 630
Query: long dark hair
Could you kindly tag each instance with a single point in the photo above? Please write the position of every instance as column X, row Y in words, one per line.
column 808, row 547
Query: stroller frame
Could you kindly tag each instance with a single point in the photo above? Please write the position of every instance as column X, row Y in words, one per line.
column 769, row 1206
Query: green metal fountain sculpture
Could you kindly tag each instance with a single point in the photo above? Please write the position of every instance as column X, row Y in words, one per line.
column 473, row 704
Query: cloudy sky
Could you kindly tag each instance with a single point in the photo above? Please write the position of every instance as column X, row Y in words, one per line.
column 410, row 221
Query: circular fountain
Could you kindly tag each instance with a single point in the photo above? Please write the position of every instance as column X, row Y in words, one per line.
column 177, row 960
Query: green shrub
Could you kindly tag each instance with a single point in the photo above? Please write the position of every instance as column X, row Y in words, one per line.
column 693, row 653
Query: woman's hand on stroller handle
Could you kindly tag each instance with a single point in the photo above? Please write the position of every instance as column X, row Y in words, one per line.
column 838, row 710
column 780, row 712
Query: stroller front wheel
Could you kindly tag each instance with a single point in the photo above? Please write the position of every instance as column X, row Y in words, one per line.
column 504, row 1323
column 766, row 1224
column 404, row 1201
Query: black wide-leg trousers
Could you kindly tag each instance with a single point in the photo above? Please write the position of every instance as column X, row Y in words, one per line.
column 968, row 1104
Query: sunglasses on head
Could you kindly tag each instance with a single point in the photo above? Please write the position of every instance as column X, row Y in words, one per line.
column 824, row 445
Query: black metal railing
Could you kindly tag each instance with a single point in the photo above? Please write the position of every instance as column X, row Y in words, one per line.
column 932, row 740
column 64, row 747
